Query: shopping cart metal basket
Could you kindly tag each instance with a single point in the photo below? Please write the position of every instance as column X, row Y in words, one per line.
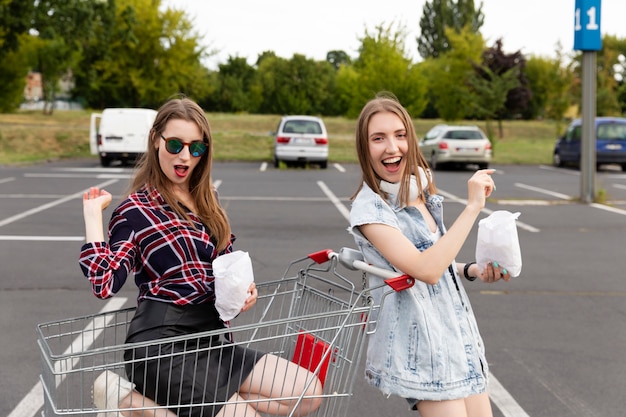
column 315, row 315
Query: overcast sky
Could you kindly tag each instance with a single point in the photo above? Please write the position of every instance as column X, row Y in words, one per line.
column 246, row 28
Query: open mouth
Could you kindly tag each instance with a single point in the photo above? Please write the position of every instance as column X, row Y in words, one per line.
column 392, row 162
column 181, row 170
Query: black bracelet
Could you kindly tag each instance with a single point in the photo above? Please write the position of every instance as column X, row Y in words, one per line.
column 465, row 269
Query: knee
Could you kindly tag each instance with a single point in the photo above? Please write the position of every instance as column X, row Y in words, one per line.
column 314, row 397
column 309, row 405
column 128, row 402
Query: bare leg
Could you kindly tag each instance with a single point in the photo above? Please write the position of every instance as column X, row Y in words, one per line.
column 136, row 400
column 474, row 406
column 478, row 405
column 274, row 378
column 450, row 408
column 110, row 386
column 237, row 408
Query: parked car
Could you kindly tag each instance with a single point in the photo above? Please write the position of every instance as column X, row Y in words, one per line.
column 459, row 145
column 120, row 134
column 301, row 139
column 610, row 143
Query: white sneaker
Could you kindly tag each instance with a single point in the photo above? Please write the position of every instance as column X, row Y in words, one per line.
column 108, row 390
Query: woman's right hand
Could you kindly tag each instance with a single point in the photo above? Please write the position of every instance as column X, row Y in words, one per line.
column 479, row 187
column 96, row 199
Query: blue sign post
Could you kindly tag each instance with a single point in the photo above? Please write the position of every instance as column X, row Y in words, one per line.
column 587, row 38
column 587, row 35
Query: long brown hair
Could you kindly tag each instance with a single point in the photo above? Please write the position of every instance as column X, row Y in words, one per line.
column 386, row 102
column 201, row 185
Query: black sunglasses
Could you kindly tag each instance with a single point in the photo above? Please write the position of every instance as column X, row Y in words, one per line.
column 175, row 146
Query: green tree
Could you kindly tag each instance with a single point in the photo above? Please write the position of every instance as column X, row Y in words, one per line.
column 559, row 98
column 54, row 59
column 500, row 62
column 489, row 94
column 499, row 86
column 146, row 57
column 608, row 61
column 234, row 80
column 298, row 85
column 437, row 15
column 448, row 76
column 537, row 71
column 553, row 85
column 383, row 65
column 550, row 80
column 338, row 58
column 13, row 73
column 15, row 20
column 60, row 26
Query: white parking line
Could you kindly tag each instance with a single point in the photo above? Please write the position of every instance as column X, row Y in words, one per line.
column 331, row 196
column 50, row 205
column 608, row 208
column 339, row 167
column 503, row 400
column 94, row 169
column 112, row 175
column 9, row 179
column 43, row 238
column 487, row 211
column 544, row 191
column 33, row 401
column 566, row 197
column 500, row 396
column 25, row 196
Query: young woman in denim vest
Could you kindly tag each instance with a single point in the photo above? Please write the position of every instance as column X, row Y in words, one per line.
column 167, row 231
column 427, row 347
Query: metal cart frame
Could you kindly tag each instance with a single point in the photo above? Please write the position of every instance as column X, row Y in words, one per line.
column 314, row 316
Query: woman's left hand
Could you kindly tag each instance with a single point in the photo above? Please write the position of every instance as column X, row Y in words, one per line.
column 251, row 300
column 494, row 272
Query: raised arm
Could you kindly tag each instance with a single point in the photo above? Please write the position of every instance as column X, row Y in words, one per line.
column 429, row 265
column 95, row 200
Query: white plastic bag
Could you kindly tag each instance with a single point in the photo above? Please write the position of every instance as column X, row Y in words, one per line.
column 233, row 276
column 498, row 241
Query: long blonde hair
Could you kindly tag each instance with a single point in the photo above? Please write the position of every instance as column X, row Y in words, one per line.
column 386, row 102
column 149, row 171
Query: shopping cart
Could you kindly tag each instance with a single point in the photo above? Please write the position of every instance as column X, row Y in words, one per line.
column 315, row 315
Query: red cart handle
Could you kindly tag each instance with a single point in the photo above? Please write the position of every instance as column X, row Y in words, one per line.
column 400, row 283
column 321, row 256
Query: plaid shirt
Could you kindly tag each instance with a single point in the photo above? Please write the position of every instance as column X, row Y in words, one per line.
column 171, row 260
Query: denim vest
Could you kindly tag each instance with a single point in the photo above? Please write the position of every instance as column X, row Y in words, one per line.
column 426, row 345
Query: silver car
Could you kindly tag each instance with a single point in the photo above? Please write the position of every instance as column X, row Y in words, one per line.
column 459, row 145
column 301, row 139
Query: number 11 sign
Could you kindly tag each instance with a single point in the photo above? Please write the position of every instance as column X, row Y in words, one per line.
column 587, row 35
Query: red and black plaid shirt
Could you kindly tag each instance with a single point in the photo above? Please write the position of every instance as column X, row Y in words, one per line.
column 171, row 260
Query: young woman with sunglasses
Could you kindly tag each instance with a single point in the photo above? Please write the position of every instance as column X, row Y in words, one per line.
column 167, row 231
column 427, row 347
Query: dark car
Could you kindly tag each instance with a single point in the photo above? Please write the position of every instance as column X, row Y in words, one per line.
column 610, row 143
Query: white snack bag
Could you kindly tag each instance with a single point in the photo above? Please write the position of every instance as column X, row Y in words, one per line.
column 498, row 241
column 233, row 276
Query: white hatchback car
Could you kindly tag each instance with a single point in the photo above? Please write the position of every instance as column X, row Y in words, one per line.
column 462, row 145
column 301, row 139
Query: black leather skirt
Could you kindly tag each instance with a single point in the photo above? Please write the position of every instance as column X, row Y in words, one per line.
column 191, row 375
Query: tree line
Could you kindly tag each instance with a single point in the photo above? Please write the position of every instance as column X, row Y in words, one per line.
column 136, row 53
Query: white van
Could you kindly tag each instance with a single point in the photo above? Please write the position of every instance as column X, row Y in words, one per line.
column 120, row 134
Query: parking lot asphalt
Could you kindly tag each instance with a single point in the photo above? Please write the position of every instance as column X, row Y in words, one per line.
column 555, row 335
